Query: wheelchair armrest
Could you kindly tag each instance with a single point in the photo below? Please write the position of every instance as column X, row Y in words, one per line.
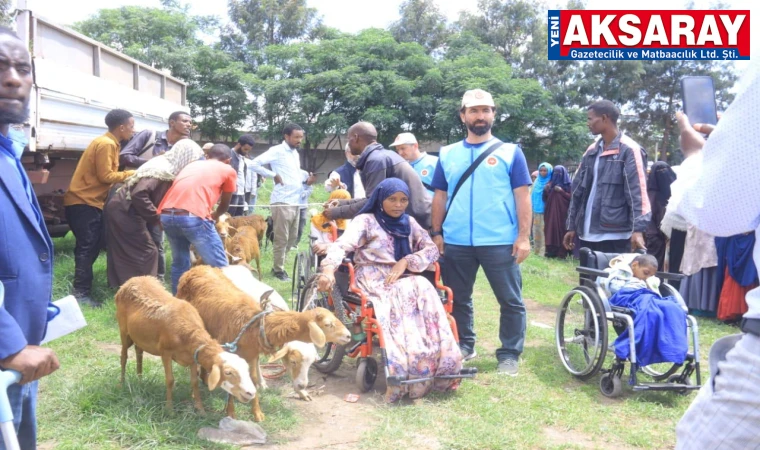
column 620, row 309
column 590, row 271
column 670, row 276
column 347, row 261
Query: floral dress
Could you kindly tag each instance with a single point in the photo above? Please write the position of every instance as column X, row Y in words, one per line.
column 418, row 338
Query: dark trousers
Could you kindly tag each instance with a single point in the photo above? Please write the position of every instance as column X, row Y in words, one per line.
column 503, row 273
column 157, row 234
column 301, row 223
column 86, row 222
column 616, row 246
column 677, row 245
column 236, row 205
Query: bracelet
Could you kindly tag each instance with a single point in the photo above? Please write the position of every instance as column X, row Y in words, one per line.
column 436, row 233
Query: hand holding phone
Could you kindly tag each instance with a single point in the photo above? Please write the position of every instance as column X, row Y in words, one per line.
column 698, row 95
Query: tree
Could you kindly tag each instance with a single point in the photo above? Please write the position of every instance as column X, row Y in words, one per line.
column 6, row 12
column 421, row 22
column 272, row 22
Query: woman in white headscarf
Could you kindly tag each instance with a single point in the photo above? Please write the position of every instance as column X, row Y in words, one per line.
column 132, row 214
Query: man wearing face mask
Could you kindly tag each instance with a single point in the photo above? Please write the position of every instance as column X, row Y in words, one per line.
column 346, row 177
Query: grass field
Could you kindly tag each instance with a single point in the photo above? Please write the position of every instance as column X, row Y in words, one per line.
column 83, row 406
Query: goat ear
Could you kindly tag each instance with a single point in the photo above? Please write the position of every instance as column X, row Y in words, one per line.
column 316, row 334
column 280, row 354
column 214, row 377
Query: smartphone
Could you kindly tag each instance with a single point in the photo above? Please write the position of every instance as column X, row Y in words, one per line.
column 698, row 94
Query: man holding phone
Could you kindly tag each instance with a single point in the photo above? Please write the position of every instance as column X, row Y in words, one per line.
column 609, row 209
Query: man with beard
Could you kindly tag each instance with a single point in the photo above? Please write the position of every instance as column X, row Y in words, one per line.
column 26, row 273
column 376, row 164
column 482, row 212
column 610, row 208
column 149, row 143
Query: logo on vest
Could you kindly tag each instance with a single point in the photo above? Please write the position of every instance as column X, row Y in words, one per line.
column 491, row 161
column 424, row 172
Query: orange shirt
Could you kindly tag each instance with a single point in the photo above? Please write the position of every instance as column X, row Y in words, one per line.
column 198, row 187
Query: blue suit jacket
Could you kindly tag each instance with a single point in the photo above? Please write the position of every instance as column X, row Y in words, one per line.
column 26, row 265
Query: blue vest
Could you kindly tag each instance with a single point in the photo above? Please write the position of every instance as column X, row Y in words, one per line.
column 483, row 212
column 425, row 168
column 346, row 172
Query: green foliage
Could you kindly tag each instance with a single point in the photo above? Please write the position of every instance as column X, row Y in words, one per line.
column 421, row 22
column 6, row 12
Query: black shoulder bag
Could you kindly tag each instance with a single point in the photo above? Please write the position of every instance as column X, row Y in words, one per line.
column 467, row 173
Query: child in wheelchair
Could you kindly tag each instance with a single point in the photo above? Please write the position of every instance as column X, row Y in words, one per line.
column 322, row 228
column 660, row 323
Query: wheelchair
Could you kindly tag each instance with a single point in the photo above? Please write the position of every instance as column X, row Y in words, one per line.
column 581, row 335
column 352, row 307
column 305, row 265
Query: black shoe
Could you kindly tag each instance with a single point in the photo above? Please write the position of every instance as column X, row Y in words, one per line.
column 87, row 300
column 282, row 276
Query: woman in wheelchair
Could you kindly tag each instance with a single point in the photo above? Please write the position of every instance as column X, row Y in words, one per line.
column 659, row 323
column 388, row 244
column 321, row 227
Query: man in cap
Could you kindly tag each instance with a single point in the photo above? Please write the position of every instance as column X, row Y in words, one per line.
column 422, row 163
column 482, row 212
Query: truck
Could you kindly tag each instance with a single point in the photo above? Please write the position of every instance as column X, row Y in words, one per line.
column 77, row 80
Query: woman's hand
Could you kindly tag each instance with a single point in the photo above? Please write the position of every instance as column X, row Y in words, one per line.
column 558, row 188
column 397, row 270
column 326, row 280
column 319, row 249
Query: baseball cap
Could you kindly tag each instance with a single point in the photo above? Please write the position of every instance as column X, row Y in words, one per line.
column 404, row 139
column 477, row 97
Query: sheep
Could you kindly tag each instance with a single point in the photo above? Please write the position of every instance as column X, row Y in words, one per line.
column 154, row 321
column 244, row 280
column 254, row 220
column 298, row 357
column 226, row 310
column 243, row 247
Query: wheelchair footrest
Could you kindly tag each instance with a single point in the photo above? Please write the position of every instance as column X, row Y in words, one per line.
column 666, row 387
column 469, row 372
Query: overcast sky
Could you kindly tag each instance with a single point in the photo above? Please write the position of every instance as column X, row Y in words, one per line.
column 354, row 15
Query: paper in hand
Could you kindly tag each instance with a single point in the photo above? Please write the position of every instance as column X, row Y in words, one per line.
column 68, row 321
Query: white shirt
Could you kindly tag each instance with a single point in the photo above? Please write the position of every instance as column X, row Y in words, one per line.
column 251, row 178
column 726, row 199
column 241, row 179
column 286, row 163
column 358, row 186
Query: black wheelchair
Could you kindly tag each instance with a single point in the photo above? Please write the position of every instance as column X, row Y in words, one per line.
column 582, row 336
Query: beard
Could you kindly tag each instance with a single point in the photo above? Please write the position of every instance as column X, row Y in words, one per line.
column 15, row 117
column 480, row 129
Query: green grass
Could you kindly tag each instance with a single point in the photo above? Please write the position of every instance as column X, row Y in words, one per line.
column 83, row 406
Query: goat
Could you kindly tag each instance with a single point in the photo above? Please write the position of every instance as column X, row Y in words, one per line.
column 243, row 247
column 154, row 321
column 244, row 280
column 298, row 357
column 227, row 311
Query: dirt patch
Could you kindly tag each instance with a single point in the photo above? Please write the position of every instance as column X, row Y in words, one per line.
column 47, row 445
column 540, row 315
column 329, row 421
column 555, row 437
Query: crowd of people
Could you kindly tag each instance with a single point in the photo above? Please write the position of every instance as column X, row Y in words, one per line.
column 470, row 208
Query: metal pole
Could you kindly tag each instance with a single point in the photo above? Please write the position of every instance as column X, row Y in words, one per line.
column 7, row 379
column 656, row 151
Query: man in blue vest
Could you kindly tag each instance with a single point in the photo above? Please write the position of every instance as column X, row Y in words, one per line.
column 484, row 218
column 26, row 251
column 422, row 163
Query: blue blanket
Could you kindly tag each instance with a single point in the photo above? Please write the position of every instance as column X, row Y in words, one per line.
column 659, row 325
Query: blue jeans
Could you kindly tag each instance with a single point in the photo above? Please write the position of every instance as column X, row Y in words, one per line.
column 23, row 401
column 182, row 231
column 503, row 273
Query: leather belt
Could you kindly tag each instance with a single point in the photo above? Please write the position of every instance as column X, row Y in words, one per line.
column 175, row 212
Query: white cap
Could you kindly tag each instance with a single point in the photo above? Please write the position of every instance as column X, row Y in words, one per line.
column 477, row 97
column 404, row 139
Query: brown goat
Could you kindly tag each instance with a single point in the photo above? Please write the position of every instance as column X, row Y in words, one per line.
column 244, row 247
column 225, row 310
column 156, row 322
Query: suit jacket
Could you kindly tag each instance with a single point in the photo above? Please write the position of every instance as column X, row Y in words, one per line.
column 26, row 264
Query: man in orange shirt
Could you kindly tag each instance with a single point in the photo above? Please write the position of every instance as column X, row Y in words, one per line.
column 187, row 210
column 97, row 170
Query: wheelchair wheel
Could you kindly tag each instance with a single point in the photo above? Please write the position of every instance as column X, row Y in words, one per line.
column 366, row 374
column 301, row 274
column 676, row 378
column 581, row 332
column 610, row 385
column 331, row 355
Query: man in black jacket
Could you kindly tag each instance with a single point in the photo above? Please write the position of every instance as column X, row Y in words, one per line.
column 376, row 164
